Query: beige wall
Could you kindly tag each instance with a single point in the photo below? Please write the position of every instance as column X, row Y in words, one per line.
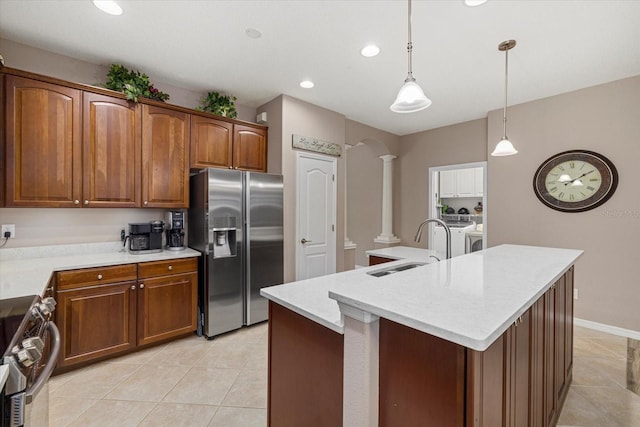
column 605, row 119
column 364, row 183
column 274, row 120
column 302, row 118
column 455, row 144
column 28, row 58
column 59, row 226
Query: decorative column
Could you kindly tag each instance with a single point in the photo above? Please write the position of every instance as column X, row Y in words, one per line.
column 387, row 236
column 348, row 243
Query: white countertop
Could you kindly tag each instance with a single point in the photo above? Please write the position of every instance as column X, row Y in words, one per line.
column 26, row 271
column 470, row 300
column 404, row 252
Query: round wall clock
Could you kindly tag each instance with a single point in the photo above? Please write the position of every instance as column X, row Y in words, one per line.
column 575, row 181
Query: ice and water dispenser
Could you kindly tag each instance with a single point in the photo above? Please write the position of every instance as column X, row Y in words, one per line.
column 224, row 237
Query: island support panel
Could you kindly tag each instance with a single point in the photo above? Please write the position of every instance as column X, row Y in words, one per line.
column 422, row 378
column 522, row 379
column 305, row 371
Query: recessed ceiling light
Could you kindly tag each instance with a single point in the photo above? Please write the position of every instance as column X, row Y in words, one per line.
column 307, row 84
column 370, row 51
column 474, row 2
column 108, row 6
column 253, row 33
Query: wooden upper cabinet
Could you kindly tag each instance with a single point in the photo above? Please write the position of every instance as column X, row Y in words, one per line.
column 165, row 158
column 211, row 143
column 249, row 148
column 43, row 144
column 112, row 131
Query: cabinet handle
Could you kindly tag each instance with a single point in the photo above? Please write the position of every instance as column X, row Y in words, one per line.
column 170, row 268
column 99, row 276
column 86, row 202
column 230, row 167
column 145, row 203
column 141, row 285
column 133, row 287
column 76, row 202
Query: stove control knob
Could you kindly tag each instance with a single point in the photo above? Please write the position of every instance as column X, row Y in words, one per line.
column 31, row 351
column 47, row 306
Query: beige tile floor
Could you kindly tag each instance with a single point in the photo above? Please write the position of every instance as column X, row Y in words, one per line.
column 194, row 382
column 190, row 382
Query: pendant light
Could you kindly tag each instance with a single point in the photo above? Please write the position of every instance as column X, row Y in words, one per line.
column 505, row 147
column 410, row 98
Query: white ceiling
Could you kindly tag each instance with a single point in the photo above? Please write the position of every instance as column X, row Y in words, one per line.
column 201, row 45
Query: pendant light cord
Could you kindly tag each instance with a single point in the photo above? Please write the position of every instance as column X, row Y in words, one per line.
column 506, row 80
column 409, row 49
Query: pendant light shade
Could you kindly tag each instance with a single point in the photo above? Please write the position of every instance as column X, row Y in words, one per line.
column 411, row 97
column 505, row 147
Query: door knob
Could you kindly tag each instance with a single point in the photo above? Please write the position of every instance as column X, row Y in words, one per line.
column 303, row 241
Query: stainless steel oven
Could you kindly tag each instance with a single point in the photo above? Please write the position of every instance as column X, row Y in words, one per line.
column 30, row 344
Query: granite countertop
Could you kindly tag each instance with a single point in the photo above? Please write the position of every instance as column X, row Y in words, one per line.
column 26, row 271
column 404, row 252
column 469, row 300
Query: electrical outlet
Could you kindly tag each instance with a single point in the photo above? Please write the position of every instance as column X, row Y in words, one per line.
column 8, row 228
column 575, row 293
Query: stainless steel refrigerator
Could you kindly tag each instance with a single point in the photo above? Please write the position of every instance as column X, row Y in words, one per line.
column 235, row 221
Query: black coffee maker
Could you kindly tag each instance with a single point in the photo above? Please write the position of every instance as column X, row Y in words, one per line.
column 175, row 230
column 145, row 237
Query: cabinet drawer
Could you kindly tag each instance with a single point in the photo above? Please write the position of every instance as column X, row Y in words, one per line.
column 163, row 268
column 93, row 276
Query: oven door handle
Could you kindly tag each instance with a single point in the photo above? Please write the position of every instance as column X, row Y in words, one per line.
column 33, row 391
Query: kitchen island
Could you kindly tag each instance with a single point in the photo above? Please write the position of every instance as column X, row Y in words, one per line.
column 482, row 339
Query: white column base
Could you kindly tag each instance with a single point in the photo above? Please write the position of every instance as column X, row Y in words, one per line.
column 361, row 364
column 349, row 244
column 388, row 240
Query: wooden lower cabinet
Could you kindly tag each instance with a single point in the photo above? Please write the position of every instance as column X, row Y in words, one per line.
column 167, row 305
column 96, row 321
column 101, row 314
column 375, row 260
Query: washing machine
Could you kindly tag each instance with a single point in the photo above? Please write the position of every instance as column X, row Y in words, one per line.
column 473, row 241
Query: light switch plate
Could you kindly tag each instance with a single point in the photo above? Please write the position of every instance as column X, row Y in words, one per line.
column 11, row 228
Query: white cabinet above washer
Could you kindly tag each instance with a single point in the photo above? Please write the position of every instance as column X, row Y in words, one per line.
column 461, row 183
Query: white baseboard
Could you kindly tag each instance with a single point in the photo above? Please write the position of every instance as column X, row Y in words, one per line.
column 614, row 330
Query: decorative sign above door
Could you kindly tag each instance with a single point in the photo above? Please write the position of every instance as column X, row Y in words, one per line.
column 316, row 145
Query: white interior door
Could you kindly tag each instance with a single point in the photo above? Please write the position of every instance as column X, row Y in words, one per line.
column 316, row 210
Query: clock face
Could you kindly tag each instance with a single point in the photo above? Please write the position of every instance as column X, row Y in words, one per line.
column 575, row 181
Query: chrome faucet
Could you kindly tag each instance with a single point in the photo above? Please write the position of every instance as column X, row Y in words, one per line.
column 446, row 229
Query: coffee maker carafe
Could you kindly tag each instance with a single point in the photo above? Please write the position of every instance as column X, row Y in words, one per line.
column 175, row 230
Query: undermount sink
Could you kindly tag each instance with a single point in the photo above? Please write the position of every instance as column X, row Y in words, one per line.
column 395, row 269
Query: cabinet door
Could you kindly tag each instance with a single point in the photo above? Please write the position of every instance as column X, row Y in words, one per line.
column 167, row 307
column 550, row 400
column 249, row 148
column 96, row 321
column 519, row 390
column 568, row 335
column 560, row 330
column 111, row 152
column 165, row 158
column 538, row 418
column 448, row 184
column 43, row 144
column 211, row 143
column 479, row 182
column 466, row 182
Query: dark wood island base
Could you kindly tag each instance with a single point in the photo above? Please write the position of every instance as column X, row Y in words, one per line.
column 522, row 379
